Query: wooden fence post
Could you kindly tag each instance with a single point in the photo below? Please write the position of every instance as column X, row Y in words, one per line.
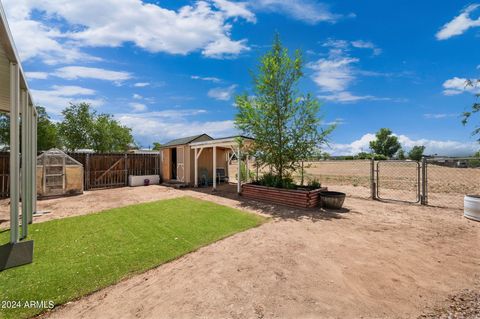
column 87, row 172
column 126, row 169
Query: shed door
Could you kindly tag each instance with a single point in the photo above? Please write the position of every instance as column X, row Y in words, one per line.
column 54, row 175
column 166, row 164
column 181, row 164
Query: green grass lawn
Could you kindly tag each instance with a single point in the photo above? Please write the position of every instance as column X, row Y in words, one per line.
column 78, row 255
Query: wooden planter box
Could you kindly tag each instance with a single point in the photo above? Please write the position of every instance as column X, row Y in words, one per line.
column 289, row 197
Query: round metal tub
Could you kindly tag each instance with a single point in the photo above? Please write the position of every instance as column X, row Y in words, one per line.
column 471, row 207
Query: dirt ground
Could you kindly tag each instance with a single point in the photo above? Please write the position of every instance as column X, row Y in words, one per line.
column 372, row 260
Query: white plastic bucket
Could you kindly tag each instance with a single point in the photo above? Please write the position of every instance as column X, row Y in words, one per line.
column 471, row 207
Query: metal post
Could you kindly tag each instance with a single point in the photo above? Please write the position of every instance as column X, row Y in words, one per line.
column 87, row 172
column 196, row 168
column 24, row 160
column 126, row 168
column 214, row 167
column 424, row 196
column 247, row 169
column 28, row 163
column 14, row 150
column 372, row 179
column 34, row 164
column 239, row 175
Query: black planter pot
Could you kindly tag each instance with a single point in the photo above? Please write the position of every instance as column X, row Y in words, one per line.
column 332, row 200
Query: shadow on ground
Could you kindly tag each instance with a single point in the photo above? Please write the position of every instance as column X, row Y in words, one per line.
column 274, row 210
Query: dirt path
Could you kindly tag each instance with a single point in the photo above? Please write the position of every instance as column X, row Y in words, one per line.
column 377, row 260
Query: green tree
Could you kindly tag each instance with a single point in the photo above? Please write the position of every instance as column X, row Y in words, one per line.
column 47, row 131
column 284, row 123
column 108, row 135
column 474, row 109
column 4, row 130
column 364, row 155
column 416, row 153
column 385, row 143
column 401, row 154
column 474, row 163
column 82, row 127
column 76, row 128
column 156, row 146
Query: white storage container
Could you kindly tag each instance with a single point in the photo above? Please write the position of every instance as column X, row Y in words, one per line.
column 139, row 180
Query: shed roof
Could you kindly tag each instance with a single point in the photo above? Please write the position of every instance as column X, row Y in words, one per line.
column 185, row 140
column 8, row 53
column 229, row 141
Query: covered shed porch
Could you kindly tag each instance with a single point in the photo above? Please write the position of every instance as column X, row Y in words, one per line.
column 236, row 146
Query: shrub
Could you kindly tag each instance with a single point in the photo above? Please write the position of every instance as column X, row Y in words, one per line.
column 272, row 180
column 314, row 183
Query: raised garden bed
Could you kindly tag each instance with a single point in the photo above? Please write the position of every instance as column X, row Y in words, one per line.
column 290, row 197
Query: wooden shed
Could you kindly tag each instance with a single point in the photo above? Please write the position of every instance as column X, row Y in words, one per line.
column 199, row 160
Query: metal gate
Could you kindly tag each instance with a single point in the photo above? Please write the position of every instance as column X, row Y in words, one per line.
column 398, row 181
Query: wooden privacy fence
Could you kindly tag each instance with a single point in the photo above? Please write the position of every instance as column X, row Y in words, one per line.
column 113, row 169
column 100, row 170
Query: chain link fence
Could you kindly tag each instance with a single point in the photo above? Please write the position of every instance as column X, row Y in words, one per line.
column 398, row 180
column 448, row 180
column 352, row 177
column 441, row 182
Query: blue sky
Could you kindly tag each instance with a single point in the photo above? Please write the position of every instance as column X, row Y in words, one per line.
column 172, row 68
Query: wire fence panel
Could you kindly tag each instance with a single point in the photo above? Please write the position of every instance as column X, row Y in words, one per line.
column 349, row 176
column 352, row 177
column 398, row 181
column 450, row 179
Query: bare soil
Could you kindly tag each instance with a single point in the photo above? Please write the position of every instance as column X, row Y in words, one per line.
column 371, row 260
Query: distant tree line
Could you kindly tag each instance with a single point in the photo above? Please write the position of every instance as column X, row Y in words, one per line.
column 81, row 128
column 385, row 146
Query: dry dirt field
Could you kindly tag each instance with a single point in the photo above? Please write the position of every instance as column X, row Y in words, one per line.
column 373, row 260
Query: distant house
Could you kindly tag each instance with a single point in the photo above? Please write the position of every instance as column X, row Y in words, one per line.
column 193, row 160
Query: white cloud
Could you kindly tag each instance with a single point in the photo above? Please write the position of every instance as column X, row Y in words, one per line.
column 459, row 24
column 235, row 9
column 442, row 148
column 137, row 96
column 170, row 124
column 207, row 78
column 308, row 11
column 59, row 97
column 347, row 97
column 360, row 44
column 333, row 74
column 455, row 86
column 439, row 147
column 353, row 148
column 336, row 73
column 77, row 72
column 141, row 84
column 438, row 116
column 223, row 94
column 68, row 26
column 36, row 75
column 225, row 48
column 138, row 107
